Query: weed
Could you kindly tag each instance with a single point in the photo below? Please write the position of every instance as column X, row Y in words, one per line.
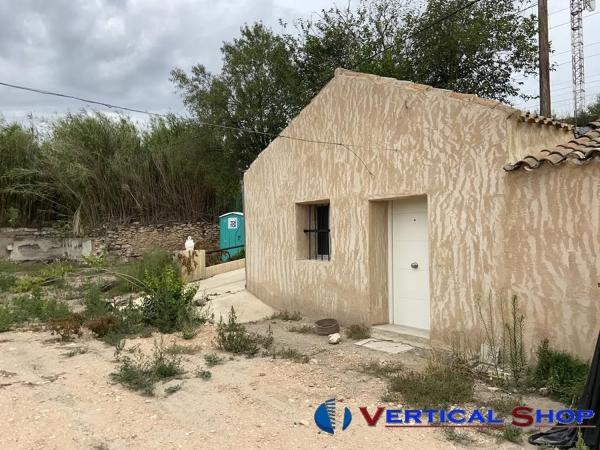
column 437, row 386
column 132, row 276
column 168, row 305
column 513, row 343
column 173, row 388
column 66, row 326
column 76, row 351
column 7, row 281
column 27, row 283
column 563, row 374
column 290, row 353
column 5, row 318
column 233, row 336
column 188, row 331
column 212, row 359
column 385, row 369
column 33, row 306
column 357, row 332
column 459, row 437
column 203, row 374
column 512, row 433
column 94, row 305
column 580, row 444
column 141, row 372
column 103, row 325
column 286, row 315
column 503, row 406
column 303, row 329
column 176, row 349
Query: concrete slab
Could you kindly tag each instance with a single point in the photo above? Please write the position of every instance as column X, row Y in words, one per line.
column 229, row 289
column 384, row 346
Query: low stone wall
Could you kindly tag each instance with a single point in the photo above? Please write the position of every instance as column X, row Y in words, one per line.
column 193, row 265
column 127, row 241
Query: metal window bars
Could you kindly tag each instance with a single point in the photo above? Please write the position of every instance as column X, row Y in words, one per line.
column 318, row 231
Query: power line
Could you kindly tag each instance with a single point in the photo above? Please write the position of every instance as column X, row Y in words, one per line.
column 566, row 23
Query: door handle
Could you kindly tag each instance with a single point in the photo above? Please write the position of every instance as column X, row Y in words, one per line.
column 414, row 265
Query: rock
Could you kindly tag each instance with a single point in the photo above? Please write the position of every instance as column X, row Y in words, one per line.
column 334, row 338
column 303, row 422
column 313, row 361
column 544, row 391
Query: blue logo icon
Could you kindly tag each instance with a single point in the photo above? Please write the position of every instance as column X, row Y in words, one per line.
column 325, row 417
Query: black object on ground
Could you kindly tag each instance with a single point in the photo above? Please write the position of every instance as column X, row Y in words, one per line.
column 590, row 399
column 325, row 327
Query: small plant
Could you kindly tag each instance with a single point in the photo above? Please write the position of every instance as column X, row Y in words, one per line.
column 563, row 374
column 302, row 329
column 34, row 307
column 212, row 359
column 6, row 318
column 76, row 351
column 188, row 331
column 67, row 326
column 141, row 372
column 358, row 332
column 437, row 386
column 203, row 374
column 173, row 388
column 286, row 315
column 291, row 353
column 503, row 406
column 94, row 305
column 512, row 433
column 513, row 343
column 458, row 437
column 7, row 281
column 177, row 349
column 233, row 336
column 103, row 325
column 580, row 444
column 385, row 369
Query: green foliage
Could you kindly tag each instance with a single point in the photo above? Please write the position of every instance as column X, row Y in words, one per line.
column 512, row 433
column 168, row 304
column 7, row 281
column 563, row 374
column 503, row 406
column 212, row 359
column 590, row 114
column 286, row 315
column 94, row 305
column 141, row 372
column 384, row 369
column 204, row 374
column 580, row 444
column 302, row 329
column 177, row 349
column 290, row 353
column 514, row 350
column 35, row 307
column 437, row 387
column 459, row 437
column 173, row 388
column 358, row 332
column 5, row 318
column 152, row 264
column 233, row 337
column 66, row 326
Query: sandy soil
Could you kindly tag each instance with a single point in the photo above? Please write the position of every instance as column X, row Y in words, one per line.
column 54, row 401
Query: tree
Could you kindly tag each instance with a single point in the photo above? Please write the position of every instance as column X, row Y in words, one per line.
column 258, row 89
column 590, row 114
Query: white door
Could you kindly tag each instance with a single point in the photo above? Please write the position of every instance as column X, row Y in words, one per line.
column 409, row 283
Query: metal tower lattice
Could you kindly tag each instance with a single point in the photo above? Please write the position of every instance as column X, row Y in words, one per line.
column 577, row 61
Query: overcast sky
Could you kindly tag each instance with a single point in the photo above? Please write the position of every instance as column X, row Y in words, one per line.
column 122, row 51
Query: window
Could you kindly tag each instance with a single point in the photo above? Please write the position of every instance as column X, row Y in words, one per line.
column 317, row 232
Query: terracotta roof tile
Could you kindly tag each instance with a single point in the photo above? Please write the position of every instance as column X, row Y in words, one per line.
column 581, row 151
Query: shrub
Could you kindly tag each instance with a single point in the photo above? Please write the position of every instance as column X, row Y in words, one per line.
column 358, row 332
column 437, row 386
column 176, row 349
column 103, row 325
column 151, row 265
column 7, row 281
column 6, row 318
column 94, row 305
column 141, row 372
column 290, row 353
column 563, row 374
column 286, row 315
column 174, row 388
column 233, row 336
column 212, row 359
column 512, row 433
column 384, row 369
column 33, row 306
column 203, row 374
column 168, row 305
column 66, row 326
column 302, row 329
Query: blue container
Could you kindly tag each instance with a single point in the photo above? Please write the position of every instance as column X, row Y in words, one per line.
column 231, row 233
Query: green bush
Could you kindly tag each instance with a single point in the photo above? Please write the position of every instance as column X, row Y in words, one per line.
column 7, row 281
column 94, row 305
column 168, row 304
column 233, row 336
column 6, row 319
column 212, row 359
column 358, row 332
column 33, row 306
column 437, row 386
column 141, row 372
column 152, row 264
column 563, row 374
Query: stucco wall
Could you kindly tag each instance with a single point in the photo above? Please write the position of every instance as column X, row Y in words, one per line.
column 404, row 139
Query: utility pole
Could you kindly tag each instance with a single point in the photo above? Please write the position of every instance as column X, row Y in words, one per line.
column 544, row 58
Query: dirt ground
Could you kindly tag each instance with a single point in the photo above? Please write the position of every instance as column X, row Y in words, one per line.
column 51, row 400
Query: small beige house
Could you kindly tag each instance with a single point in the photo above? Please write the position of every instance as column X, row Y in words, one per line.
column 389, row 202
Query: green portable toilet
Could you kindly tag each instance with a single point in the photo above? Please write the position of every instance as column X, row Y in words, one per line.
column 231, row 234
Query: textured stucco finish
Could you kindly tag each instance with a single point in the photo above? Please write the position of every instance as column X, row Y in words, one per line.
column 535, row 235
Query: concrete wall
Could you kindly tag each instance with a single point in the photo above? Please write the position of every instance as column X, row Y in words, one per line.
column 407, row 139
